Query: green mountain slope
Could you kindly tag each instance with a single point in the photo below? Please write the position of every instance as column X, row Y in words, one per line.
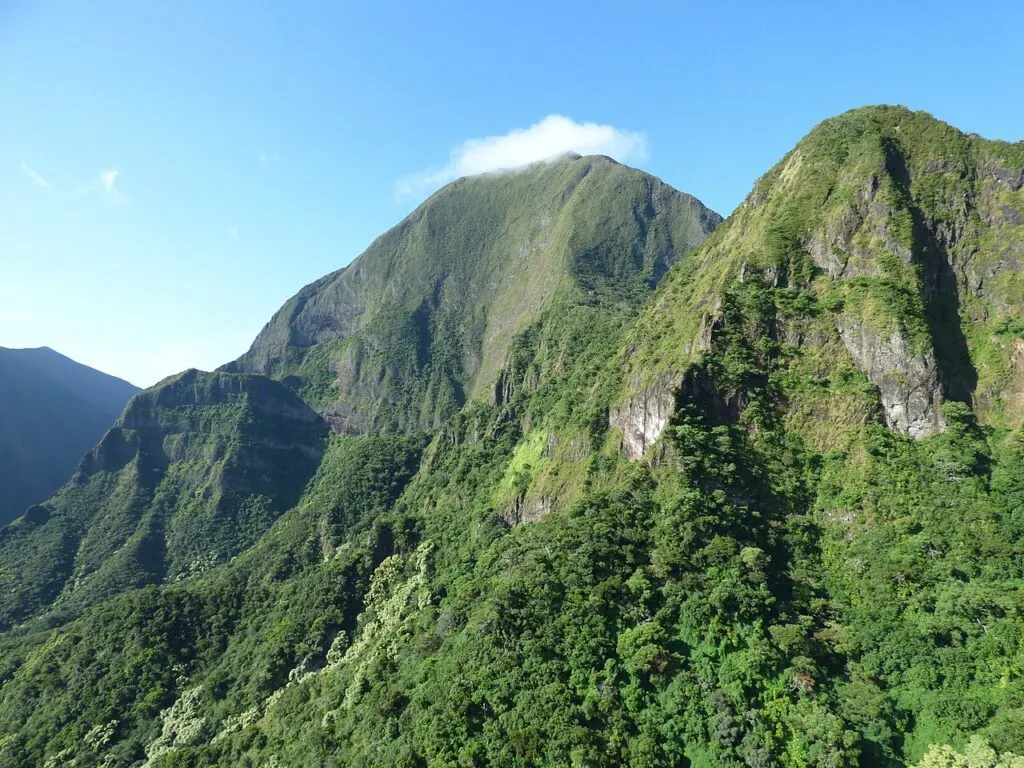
column 773, row 516
column 52, row 410
column 421, row 322
column 900, row 240
column 193, row 472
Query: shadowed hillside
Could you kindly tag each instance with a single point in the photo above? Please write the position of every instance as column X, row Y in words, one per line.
column 52, row 410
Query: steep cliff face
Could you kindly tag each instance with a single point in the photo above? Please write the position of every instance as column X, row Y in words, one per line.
column 907, row 381
column 421, row 322
column 900, row 239
column 194, row 471
column 642, row 416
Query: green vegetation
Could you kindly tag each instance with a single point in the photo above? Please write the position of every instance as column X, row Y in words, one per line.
column 977, row 755
column 786, row 578
column 421, row 322
column 194, row 472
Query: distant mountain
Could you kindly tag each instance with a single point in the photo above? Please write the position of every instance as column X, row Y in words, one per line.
column 52, row 411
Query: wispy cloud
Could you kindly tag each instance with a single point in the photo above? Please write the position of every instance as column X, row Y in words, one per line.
column 551, row 137
column 34, row 175
column 107, row 182
column 104, row 182
column 108, row 179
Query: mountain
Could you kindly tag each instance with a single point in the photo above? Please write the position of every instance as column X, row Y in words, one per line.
column 767, row 512
column 421, row 322
column 52, row 411
column 199, row 467
column 194, row 471
column 906, row 234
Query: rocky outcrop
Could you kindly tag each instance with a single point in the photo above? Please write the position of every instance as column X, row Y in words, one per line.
column 642, row 417
column 171, row 402
column 847, row 244
column 527, row 508
column 505, row 387
column 907, row 381
column 172, row 420
column 1010, row 178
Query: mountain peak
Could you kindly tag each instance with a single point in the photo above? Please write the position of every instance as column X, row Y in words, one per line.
column 908, row 232
column 422, row 320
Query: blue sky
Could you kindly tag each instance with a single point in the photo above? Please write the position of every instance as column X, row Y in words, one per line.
column 170, row 173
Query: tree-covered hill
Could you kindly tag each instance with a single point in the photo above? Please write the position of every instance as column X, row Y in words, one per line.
column 771, row 514
column 194, row 471
column 52, row 411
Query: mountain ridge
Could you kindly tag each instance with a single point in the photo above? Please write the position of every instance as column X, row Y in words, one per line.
column 122, row 523
column 430, row 280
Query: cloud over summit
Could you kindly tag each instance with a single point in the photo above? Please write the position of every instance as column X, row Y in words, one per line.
column 551, row 137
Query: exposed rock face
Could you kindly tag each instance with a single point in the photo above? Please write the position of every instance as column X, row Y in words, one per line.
column 528, row 508
column 172, row 419
column 856, row 243
column 642, row 417
column 503, row 390
column 1010, row 178
column 848, row 244
column 907, row 382
column 195, row 388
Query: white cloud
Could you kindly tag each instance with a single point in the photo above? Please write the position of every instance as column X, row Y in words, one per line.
column 104, row 182
column 107, row 183
column 34, row 175
column 551, row 137
column 109, row 180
